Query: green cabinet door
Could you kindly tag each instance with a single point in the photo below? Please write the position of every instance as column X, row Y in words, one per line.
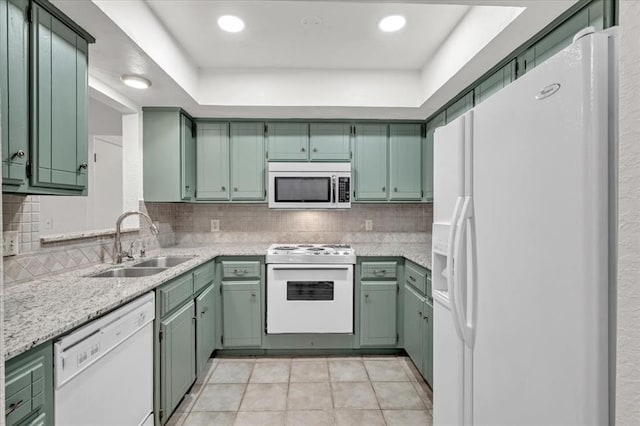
column 427, row 155
column 188, row 158
column 495, row 82
column 405, row 162
column 14, row 90
column 59, row 132
column 213, row 161
column 247, row 161
column 427, row 343
column 288, row 141
column 378, row 309
column 370, row 162
column 177, row 357
column 241, row 313
column 205, row 327
column 413, row 324
column 330, row 141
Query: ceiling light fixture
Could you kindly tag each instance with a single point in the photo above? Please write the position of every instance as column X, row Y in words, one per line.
column 392, row 23
column 231, row 24
column 135, row 81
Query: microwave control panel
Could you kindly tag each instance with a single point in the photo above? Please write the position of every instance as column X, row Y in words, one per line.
column 344, row 190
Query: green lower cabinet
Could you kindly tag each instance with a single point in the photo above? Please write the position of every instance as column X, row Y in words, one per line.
column 413, row 324
column 241, row 314
column 177, row 357
column 29, row 387
column 205, row 327
column 378, row 311
column 427, row 343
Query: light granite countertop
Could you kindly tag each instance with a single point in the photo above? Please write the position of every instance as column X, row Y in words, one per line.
column 46, row 308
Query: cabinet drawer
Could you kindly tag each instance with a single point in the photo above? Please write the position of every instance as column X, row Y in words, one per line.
column 241, row 269
column 202, row 276
column 173, row 294
column 416, row 277
column 378, row 270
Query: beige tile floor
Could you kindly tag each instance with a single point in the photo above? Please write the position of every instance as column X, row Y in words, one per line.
column 307, row 391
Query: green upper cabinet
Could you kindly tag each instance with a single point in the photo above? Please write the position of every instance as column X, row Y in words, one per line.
column 370, row 163
column 247, row 161
column 288, row 141
column 405, row 162
column 495, row 82
column 168, row 155
column 459, row 107
column 188, row 155
column 427, row 154
column 14, row 90
column 59, row 105
column 212, row 161
column 330, row 142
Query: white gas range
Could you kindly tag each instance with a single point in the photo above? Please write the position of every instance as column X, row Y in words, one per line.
column 310, row 288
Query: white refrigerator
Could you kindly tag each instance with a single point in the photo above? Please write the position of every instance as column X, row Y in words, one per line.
column 520, row 248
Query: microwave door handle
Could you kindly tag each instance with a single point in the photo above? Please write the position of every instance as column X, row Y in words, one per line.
column 333, row 189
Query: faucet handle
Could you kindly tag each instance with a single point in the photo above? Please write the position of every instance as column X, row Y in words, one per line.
column 143, row 249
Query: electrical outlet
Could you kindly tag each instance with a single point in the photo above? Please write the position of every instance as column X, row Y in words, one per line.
column 215, row 225
column 48, row 223
column 10, row 243
column 368, row 225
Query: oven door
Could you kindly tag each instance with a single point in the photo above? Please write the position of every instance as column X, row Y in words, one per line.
column 309, row 298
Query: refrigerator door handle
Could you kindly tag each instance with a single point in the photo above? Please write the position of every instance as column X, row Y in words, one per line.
column 460, row 279
column 450, row 267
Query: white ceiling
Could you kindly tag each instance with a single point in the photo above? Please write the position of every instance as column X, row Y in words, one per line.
column 277, row 68
column 275, row 37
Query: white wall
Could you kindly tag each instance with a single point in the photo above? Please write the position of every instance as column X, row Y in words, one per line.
column 628, row 319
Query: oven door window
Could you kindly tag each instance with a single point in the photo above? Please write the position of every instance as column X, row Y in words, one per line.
column 309, row 290
column 302, row 190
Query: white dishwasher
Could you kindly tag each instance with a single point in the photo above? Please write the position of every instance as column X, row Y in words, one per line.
column 104, row 370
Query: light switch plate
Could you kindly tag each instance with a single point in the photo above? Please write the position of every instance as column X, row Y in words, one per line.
column 10, row 243
column 368, row 225
column 215, row 225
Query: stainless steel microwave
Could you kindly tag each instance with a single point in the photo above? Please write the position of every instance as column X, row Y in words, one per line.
column 309, row 185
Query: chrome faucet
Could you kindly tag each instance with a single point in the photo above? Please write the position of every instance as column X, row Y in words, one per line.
column 117, row 244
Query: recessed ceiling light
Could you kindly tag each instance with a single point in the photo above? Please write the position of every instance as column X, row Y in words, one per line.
column 230, row 23
column 135, row 81
column 392, row 23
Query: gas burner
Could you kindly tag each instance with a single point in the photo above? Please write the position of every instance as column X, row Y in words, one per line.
column 315, row 249
column 305, row 245
column 285, row 248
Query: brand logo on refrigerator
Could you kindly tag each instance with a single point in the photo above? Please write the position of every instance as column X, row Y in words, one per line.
column 550, row 90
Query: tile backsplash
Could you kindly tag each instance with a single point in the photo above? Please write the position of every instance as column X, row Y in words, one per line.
column 191, row 224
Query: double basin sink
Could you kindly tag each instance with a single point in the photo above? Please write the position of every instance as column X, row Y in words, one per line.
column 145, row 268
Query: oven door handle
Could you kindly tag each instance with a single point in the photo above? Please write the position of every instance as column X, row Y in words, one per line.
column 310, row 268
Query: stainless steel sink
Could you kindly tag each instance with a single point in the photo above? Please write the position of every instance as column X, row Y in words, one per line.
column 163, row 261
column 128, row 272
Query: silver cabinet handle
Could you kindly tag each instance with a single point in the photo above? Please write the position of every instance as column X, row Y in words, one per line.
column 366, row 298
column 315, row 149
column 303, row 150
column 235, row 189
column 19, row 154
column 240, row 271
column 412, row 278
column 395, row 189
column 420, row 314
column 204, row 310
column 187, row 187
column 13, row 407
column 379, row 271
column 384, row 188
column 253, row 294
column 223, row 188
column 83, row 165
